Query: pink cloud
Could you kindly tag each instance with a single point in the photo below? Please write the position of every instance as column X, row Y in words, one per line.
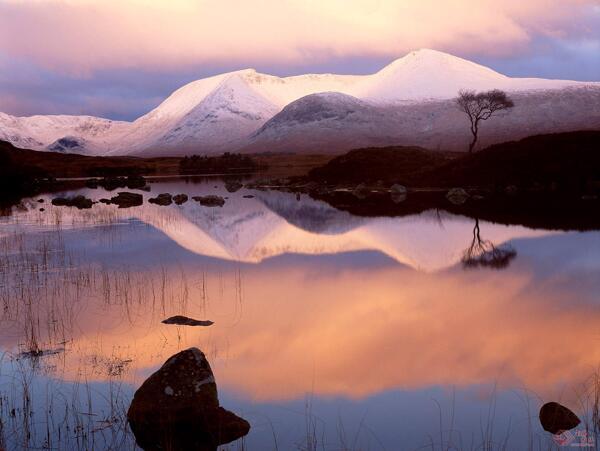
column 87, row 35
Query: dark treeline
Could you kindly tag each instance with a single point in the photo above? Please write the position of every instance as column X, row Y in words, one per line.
column 226, row 163
column 17, row 179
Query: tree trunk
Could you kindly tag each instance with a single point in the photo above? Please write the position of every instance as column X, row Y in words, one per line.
column 474, row 141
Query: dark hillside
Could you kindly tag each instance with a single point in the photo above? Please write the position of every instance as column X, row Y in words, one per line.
column 403, row 165
column 563, row 161
column 74, row 165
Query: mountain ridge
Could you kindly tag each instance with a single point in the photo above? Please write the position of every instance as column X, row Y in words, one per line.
column 224, row 112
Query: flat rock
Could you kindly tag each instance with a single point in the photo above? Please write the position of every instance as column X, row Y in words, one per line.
column 80, row 202
column 125, row 200
column 210, row 201
column 185, row 321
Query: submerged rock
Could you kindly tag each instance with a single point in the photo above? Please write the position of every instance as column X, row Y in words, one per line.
column 233, row 186
column 556, row 418
column 125, row 200
column 399, row 193
column 80, row 202
column 210, row 201
column 398, row 189
column 457, row 196
column 178, row 408
column 163, row 199
column 180, row 199
column 361, row 191
column 185, row 321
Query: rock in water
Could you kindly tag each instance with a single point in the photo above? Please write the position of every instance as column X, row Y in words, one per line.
column 361, row 191
column 80, row 202
column 233, row 186
column 185, row 321
column 136, row 182
column 399, row 193
column 163, row 199
column 556, row 418
column 210, row 201
column 457, row 196
column 177, row 408
column 126, row 200
column 180, row 199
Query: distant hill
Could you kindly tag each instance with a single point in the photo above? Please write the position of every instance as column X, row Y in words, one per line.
column 74, row 165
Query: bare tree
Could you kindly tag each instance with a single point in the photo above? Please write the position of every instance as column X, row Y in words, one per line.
column 481, row 106
column 483, row 253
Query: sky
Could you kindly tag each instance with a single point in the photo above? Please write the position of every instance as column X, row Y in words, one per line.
column 120, row 58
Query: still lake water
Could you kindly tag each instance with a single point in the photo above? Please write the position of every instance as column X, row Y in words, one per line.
column 331, row 331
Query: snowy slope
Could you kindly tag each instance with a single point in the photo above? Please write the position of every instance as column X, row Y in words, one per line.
column 333, row 123
column 41, row 132
column 229, row 111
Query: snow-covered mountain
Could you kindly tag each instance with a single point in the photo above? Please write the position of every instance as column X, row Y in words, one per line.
column 407, row 102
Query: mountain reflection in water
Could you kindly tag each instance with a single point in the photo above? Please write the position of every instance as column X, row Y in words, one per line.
column 316, row 313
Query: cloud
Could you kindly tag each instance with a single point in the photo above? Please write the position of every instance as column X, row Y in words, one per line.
column 79, row 37
column 118, row 59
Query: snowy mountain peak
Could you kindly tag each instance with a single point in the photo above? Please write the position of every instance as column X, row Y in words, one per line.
column 429, row 74
column 427, row 59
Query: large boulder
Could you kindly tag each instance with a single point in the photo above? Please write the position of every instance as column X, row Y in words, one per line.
column 556, row 418
column 177, row 407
